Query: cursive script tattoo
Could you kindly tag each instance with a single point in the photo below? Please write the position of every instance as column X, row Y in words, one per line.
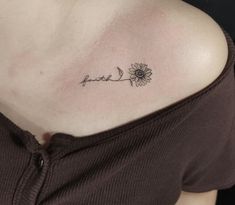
column 139, row 74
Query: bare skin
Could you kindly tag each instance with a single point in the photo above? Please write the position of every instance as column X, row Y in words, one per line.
column 205, row 198
column 46, row 57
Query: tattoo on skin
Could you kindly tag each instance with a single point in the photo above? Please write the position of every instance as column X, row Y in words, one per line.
column 139, row 74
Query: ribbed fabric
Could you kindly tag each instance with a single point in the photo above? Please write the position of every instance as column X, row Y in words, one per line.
column 189, row 145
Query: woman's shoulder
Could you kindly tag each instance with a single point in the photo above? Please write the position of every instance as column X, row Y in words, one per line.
column 188, row 47
column 201, row 35
column 207, row 44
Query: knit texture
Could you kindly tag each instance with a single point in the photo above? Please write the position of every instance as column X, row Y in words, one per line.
column 189, row 145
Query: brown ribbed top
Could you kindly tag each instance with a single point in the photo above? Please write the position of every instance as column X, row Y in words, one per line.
column 189, row 145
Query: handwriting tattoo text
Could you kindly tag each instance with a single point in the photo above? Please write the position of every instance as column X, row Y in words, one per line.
column 139, row 74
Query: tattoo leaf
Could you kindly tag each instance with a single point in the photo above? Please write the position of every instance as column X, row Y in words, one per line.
column 120, row 71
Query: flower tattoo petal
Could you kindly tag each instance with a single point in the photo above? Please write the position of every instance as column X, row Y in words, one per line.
column 140, row 74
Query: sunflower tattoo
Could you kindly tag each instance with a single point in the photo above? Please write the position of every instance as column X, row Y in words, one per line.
column 139, row 74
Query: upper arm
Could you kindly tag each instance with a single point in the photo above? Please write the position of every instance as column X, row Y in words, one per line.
column 205, row 198
column 202, row 57
column 209, row 52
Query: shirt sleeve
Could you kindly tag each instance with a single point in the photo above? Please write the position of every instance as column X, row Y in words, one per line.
column 214, row 169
